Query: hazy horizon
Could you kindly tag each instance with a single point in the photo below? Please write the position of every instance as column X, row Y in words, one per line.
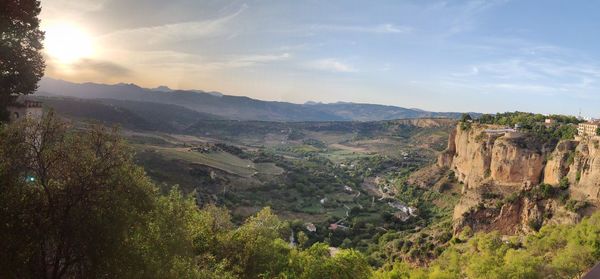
column 480, row 56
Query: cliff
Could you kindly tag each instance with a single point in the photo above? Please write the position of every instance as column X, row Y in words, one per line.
column 501, row 171
column 481, row 155
column 584, row 171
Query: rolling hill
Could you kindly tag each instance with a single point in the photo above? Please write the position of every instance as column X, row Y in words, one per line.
column 234, row 107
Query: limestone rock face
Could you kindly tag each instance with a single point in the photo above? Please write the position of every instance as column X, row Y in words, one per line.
column 478, row 156
column 559, row 162
column 522, row 216
column 514, row 165
column 492, row 162
column 472, row 155
column 584, row 173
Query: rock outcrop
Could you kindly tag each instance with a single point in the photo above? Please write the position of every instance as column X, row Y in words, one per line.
column 494, row 161
column 584, row 172
column 559, row 162
column 481, row 155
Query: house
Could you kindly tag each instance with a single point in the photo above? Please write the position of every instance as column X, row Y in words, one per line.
column 311, row 227
column 549, row 121
column 588, row 128
column 21, row 108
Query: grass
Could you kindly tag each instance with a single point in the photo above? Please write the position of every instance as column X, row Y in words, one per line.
column 219, row 160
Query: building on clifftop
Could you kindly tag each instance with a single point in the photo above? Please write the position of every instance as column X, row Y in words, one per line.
column 588, row 128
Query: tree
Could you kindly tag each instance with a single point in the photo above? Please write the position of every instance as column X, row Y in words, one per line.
column 22, row 64
column 73, row 205
column 465, row 117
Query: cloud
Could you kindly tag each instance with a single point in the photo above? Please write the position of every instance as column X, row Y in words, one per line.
column 533, row 75
column 170, row 33
column 331, row 65
column 105, row 68
column 80, row 6
column 89, row 70
column 464, row 14
column 387, row 28
column 177, row 62
column 249, row 60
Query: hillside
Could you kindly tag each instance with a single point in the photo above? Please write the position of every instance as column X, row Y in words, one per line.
column 370, row 112
column 128, row 114
column 234, row 107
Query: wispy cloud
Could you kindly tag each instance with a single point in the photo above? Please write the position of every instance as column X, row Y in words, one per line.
column 387, row 28
column 532, row 75
column 171, row 33
column 174, row 60
column 464, row 14
column 331, row 65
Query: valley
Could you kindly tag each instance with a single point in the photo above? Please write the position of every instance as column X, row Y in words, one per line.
column 408, row 190
column 343, row 183
column 299, row 140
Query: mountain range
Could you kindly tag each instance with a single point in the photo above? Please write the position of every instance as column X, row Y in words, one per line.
column 234, row 107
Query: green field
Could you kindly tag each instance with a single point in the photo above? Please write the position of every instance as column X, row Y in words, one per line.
column 219, row 160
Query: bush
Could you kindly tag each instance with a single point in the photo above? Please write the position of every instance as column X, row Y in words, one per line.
column 564, row 183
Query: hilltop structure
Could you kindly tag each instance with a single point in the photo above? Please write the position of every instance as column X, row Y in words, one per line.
column 24, row 108
column 588, row 128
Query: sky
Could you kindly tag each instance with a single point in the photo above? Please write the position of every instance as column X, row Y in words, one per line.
column 483, row 56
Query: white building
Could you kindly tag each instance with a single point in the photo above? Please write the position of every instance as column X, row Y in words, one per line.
column 588, row 128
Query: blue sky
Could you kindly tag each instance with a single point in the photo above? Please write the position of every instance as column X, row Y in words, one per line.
column 485, row 56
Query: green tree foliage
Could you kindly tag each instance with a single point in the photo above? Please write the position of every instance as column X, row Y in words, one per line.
column 22, row 64
column 74, row 205
column 525, row 119
column 562, row 128
column 556, row 251
column 465, row 121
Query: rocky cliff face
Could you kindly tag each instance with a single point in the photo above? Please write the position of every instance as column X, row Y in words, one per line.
column 480, row 155
column 499, row 164
column 584, row 171
column 559, row 162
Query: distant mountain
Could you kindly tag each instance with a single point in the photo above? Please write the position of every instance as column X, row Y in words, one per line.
column 370, row 112
column 128, row 114
column 162, row 88
column 233, row 107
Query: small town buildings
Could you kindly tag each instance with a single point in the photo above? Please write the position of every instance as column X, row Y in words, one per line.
column 588, row 128
column 549, row 121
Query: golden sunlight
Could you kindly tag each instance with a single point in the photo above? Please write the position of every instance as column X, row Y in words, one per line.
column 66, row 43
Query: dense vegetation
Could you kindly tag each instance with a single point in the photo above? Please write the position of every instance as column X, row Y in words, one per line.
column 557, row 251
column 562, row 127
column 74, row 205
column 525, row 119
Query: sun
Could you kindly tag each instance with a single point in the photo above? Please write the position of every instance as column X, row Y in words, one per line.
column 66, row 43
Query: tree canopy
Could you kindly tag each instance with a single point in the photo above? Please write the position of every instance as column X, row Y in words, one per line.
column 74, row 205
column 22, row 64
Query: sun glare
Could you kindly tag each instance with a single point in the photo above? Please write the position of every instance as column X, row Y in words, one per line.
column 67, row 43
